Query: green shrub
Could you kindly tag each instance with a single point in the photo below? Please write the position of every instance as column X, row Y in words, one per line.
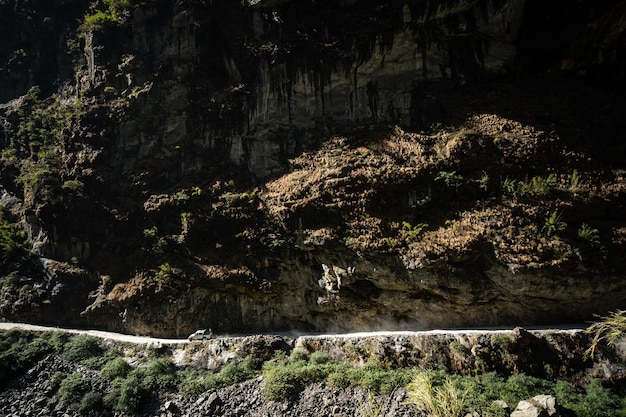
column 450, row 178
column 595, row 401
column 81, row 348
column 133, row 395
column 589, row 235
column 437, row 400
column 115, row 368
column 56, row 379
column 319, row 358
column 609, row 329
column 158, row 375
column 110, row 91
column 233, row 372
column 520, row 387
column 510, row 186
column 12, row 250
column 99, row 20
column 539, row 186
column 338, row 380
column 19, row 351
column 193, row 381
column 576, row 183
column 456, row 346
column 553, row 224
column 73, row 388
column 410, row 233
column 483, row 181
column 298, row 355
column 281, row 384
column 91, row 401
column 74, row 188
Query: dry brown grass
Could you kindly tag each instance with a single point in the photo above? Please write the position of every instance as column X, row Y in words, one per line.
column 348, row 174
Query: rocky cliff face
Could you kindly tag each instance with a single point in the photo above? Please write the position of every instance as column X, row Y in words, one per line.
column 311, row 165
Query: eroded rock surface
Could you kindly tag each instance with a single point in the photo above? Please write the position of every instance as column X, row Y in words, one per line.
column 312, row 165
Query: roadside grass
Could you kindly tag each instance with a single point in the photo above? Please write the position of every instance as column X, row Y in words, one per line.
column 447, row 395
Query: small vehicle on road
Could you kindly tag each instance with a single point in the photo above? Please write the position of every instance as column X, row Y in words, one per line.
column 205, row 334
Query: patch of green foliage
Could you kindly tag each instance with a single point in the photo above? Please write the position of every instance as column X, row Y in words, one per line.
column 77, row 392
column 445, row 395
column 36, row 143
column 589, row 235
column 437, row 400
column 284, row 377
column 553, row 224
column 82, row 349
column 115, row 368
column 409, row 233
column 19, row 351
column 537, row 186
column 450, row 178
column 112, row 12
column 12, row 251
column 608, row 330
column 194, row 381
column 239, row 199
column 136, row 389
column 74, row 188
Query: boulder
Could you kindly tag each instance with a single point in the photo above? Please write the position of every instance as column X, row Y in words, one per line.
column 538, row 406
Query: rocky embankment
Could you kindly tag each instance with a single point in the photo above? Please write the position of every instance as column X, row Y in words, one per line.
column 546, row 355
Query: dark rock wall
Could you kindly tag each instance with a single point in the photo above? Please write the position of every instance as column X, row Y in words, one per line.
column 201, row 92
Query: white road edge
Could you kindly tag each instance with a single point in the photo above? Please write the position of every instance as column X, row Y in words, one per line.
column 158, row 341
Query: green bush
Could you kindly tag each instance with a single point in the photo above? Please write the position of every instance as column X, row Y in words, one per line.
column 12, row 250
column 481, row 391
column 285, row 377
column 281, row 384
column 338, row 380
column 589, row 235
column 608, row 330
column 553, row 224
column 298, row 355
column 520, row 387
column 82, row 348
column 158, row 375
column 319, row 358
column 99, row 20
column 450, row 178
column 538, row 186
column 235, row 372
column 133, row 395
column 91, row 401
column 436, row 399
column 19, row 351
column 73, row 388
column 409, row 233
column 74, row 188
column 595, row 401
column 195, row 381
column 56, row 380
column 115, row 368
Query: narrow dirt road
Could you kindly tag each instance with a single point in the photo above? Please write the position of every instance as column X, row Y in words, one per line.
column 573, row 328
column 95, row 333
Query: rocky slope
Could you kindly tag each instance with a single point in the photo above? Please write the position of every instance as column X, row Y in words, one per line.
column 549, row 355
column 312, row 165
